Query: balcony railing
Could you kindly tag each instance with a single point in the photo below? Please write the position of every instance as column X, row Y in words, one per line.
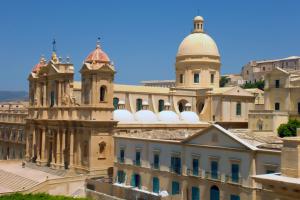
column 121, row 160
column 137, row 162
column 213, row 175
column 155, row 166
column 176, row 170
column 234, row 179
column 193, row 172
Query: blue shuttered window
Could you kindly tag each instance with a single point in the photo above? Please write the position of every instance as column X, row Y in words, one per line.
column 155, row 185
column 234, row 197
column 195, row 167
column 195, row 193
column 235, row 172
column 214, row 169
column 175, row 188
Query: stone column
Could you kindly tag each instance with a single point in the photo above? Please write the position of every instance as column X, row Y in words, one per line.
column 43, row 135
column 45, row 94
column 58, row 150
column 79, row 148
column 59, row 93
column 27, row 145
column 71, row 164
column 33, row 142
column 38, row 143
column 63, row 146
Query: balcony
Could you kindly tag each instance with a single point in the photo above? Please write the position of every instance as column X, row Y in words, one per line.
column 137, row 162
column 234, row 180
column 176, row 170
column 121, row 160
column 213, row 175
column 155, row 166
column 194, row 172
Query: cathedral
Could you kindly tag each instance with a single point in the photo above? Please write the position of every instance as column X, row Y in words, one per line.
column 71, row 125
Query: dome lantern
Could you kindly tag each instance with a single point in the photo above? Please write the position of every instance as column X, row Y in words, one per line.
column 198, row 24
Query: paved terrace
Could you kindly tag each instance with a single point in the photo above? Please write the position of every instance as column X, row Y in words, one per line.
column 15, row 178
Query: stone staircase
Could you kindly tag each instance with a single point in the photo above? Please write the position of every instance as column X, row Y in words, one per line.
column 15, row 182
column 57, row 172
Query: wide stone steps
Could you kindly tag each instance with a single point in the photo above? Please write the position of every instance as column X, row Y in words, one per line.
column 15, row 182
column 57, row 172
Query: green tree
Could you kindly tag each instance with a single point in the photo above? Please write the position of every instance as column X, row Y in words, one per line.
column 258, row 84
column 223, row 81
column 289, row 129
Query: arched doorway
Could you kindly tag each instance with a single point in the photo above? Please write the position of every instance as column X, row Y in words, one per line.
column 214, row 193
column 181, row 105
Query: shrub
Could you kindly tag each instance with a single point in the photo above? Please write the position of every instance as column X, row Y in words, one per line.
column 289, row 129
column 39, row 196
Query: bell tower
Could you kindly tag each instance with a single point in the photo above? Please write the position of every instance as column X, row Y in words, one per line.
column 97, row 74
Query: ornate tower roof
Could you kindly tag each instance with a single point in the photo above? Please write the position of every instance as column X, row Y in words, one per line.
column 98, row 55
column 38, row 66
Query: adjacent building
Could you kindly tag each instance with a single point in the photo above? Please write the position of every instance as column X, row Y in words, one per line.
column 12, row 130
column 256, row 70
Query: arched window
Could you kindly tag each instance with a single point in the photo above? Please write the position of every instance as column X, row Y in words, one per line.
column 102, row 93
column 238, row 109
column 139, row 104
column 161, row 105
column 277, row 106
column 116, row 102
column 102, row 147
column 214, row 193
column 181, row 107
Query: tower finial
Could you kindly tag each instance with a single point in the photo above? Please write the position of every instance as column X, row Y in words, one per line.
column 98, row 42
column 54, row 57
column 54, row 45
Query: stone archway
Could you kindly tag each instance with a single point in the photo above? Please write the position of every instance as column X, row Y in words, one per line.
column 181, row 105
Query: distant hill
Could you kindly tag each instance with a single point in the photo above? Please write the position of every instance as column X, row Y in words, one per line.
column 13, row 96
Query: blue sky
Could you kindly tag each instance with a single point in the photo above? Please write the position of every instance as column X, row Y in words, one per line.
column 141, row 37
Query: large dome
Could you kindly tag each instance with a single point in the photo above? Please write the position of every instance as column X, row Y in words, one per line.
column 197, row 44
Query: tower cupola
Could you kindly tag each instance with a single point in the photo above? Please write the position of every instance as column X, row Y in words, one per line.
column 198, row 24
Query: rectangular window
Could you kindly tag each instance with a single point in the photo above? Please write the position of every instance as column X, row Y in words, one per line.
column 195, row 166
column 181, row 78
column 138, row 158
column 212, row 78
column 155, row 185
column 214, row 169
column 235, row 172
column 234, row 197
column 121, row 176
column 156, row 161
column 196, row 78
column 277, row 106
column 175, row 164
column 277, row 83
column 238, row 109
column 122, row 156
column 195, row 193
column 175, row 188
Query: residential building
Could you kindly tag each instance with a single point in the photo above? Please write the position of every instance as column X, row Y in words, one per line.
column 256, row 70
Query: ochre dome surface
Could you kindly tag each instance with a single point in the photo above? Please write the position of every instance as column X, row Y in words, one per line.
column 198, row 44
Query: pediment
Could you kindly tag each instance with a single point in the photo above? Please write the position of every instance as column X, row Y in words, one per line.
column 238, row 91
column 216, row 136
column 49, row 69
